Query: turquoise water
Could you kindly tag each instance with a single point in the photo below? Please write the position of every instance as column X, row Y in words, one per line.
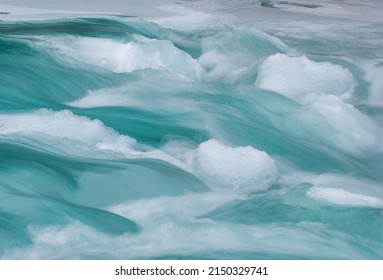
column 123, row 139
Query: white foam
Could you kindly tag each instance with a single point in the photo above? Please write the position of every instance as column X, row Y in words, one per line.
column 355, row 185
column 70, row 133
column 102, row 98
column 342, row 197
column 62, row 125
column 243, row 168
column 299, row 78
column 169, row 227
column 145, row 93
column 124, row 57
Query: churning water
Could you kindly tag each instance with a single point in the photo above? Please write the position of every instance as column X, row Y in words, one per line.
column 207, row 138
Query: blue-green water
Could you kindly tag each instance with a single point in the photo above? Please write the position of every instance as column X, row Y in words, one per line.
column 120, row 138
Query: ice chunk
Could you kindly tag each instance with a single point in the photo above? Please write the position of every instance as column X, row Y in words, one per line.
column 244, row 168
column 298, row 77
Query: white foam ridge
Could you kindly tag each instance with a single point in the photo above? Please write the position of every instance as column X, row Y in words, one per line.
column 76, row 134
column 102, row 98
column 125, row 57
column 61, row 124
column 348, row 183
column 243, row 168
column 299, row 78
column 344, row 198
column 144, row 93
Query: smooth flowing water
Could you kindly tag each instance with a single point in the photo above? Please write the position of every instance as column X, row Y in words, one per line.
column 208, row 133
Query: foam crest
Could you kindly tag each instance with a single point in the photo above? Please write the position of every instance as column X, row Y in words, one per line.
column 299, row 78
column 61, row 124
column 345, row 198
column 350, row 184
column 102, row 98
column 123, row 57
column 144, row 92
column 243, row 168
column 70, row 133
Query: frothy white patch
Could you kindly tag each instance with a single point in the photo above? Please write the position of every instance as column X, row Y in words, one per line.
column 121, row 57
column 146, row 93
column 342, row 197
column 61, row 124
column 102, row 98
column 70, row 133
column 170, row 227
column 347, row 183
column 299, row 78
column 244, row 168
